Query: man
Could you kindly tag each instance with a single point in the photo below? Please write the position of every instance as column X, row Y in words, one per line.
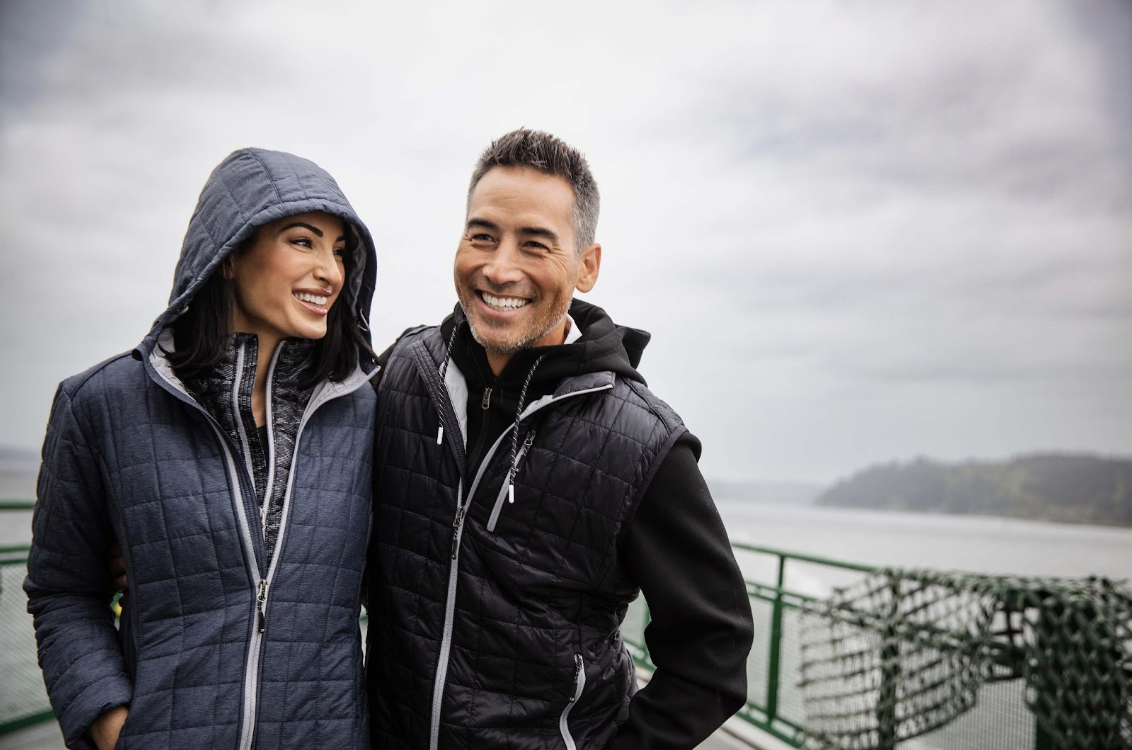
column 528, row 487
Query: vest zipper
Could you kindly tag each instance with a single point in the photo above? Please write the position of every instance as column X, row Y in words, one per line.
column 579, row 686
column 454, row 565
column 508, row 488
column 269, row 449
column 485, row 404
column 457, row 525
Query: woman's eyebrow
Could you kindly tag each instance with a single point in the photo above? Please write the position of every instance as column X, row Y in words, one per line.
column 304, row 225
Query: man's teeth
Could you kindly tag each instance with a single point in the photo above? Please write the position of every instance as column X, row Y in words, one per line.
column 504, row 303
column 320, row 301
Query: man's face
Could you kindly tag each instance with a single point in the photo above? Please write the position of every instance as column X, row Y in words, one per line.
column 516, row 266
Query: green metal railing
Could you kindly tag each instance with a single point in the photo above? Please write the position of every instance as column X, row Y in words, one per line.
column 773, row 700
column 774, row 705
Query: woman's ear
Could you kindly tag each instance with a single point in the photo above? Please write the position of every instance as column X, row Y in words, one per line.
column 227, row 270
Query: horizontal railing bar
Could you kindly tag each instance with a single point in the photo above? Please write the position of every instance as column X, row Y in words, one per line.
column 747, row 547
column 17, row 504
column 7, row 727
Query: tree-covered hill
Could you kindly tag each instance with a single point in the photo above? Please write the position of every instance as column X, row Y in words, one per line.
column 1047, row 486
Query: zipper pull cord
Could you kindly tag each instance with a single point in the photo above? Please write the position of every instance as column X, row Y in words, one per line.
column 261, row 604
column 577, row 676
column 515, row 432
column 519, row 463
column 443, row 372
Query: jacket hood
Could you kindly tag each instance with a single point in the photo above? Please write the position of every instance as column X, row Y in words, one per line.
column 250, row 188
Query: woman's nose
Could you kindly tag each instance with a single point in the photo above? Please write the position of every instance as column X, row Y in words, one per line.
column 331, row 269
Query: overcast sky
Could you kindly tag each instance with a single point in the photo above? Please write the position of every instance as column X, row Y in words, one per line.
column 858, row 231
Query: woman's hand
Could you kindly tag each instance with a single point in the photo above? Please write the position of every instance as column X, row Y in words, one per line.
column 106, row 727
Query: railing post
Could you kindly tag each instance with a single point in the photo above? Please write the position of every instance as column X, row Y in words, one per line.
column 772, row 670
column 889, row 674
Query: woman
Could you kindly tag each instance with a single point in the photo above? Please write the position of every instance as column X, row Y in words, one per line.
column 229, row 457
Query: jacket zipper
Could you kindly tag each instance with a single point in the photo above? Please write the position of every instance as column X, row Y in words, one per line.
column 322, row 394
column 269, row 449
column 507, row 490
column 579, row 686
column 255, row 572
column 458, row 529
column 251, row 666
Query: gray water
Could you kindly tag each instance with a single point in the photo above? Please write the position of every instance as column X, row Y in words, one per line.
column 974, row 544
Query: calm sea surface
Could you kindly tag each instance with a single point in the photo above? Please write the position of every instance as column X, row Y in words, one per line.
column 921, row 540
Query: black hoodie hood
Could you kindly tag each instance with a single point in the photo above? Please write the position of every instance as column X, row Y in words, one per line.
column 603, row 347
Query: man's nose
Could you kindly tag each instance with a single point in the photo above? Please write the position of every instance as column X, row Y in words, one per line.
column 503, row 267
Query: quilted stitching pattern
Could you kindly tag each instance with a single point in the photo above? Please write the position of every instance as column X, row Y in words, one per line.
column 128, row 457
column 162, row 475
column 544, row 586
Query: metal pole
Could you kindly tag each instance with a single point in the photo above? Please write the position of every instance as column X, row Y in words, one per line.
column 889, row 674
column 773, row 661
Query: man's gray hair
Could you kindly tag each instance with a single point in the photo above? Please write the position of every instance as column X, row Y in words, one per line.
column 549, row 155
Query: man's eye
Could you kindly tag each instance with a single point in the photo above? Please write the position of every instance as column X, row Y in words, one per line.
column 482, row 238
column 536, row 245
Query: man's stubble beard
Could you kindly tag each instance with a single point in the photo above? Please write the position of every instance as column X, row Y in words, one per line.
column 523, row 340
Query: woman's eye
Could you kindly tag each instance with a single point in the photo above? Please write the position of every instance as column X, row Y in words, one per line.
column 340, row 252
column 301, row 241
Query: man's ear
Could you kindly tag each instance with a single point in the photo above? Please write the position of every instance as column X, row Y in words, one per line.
column 588, row 268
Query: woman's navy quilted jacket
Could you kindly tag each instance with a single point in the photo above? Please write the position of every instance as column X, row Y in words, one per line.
column 130, row 457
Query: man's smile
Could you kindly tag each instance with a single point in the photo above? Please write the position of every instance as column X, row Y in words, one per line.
column 503, row 304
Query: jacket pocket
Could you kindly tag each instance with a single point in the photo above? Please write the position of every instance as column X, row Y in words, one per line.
column 579, row 686
column 507, row 490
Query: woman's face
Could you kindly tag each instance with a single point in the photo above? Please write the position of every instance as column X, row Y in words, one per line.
column 286, row 283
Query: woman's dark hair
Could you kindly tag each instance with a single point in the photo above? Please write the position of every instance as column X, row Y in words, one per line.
column 200, row 333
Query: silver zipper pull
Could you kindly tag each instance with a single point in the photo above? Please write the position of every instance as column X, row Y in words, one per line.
column 527, row 443
column 486, row 403
column 261, row 600
column 456, row 523
column 440, row 435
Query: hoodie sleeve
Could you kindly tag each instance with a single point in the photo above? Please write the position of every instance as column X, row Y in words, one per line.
column 68, row 584
column 701, row 627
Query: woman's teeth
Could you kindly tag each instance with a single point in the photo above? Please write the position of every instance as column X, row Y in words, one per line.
column 312, row 298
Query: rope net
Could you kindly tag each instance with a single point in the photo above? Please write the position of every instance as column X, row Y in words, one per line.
column 904, row 652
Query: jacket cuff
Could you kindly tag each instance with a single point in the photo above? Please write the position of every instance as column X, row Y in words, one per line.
column 95, row 700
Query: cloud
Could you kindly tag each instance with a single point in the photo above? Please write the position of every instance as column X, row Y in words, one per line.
column 857, row 232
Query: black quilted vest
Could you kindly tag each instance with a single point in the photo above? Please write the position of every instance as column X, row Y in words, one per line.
column 497, row 625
